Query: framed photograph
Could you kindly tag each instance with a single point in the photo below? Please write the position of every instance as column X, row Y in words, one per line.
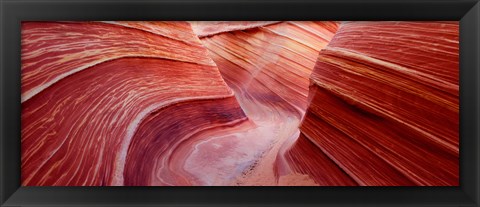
column 239, row 103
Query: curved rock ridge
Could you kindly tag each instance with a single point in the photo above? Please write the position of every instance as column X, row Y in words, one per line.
column 209, row 28
column 168, row 29
column 384, row 105
column 54, row 50
column 322, row 169
column 78, row 131
column 261, row 103
column 157, row 152
column 268, row 67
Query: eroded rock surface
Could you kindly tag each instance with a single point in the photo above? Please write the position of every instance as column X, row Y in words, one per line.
column 240, row 103
column 384, row 104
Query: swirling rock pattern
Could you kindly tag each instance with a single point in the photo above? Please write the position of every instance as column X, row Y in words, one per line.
column 268, row 67
column 271, row 65
column 384, row 103
column 78, row 130
column 239, row 103
column 54, row 50
column 209, row 28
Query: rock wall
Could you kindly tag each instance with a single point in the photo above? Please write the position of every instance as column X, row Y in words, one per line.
column 384, row 104
column 240, row 103
column 89, row 89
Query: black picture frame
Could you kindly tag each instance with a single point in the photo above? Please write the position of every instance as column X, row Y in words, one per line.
column 14, row 11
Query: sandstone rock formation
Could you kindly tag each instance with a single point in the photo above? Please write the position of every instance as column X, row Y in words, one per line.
column 268, row 67
column 91, row 88
column 384, row 104
column 240, row 103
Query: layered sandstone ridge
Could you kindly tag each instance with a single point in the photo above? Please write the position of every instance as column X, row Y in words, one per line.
column 209, row 28
column 99, row 86
column 384, row 105
column 268, row 68
column 240, row 103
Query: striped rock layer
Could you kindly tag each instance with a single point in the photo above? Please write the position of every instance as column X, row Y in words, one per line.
column 271, row 65
column 384, row 106
column 92, row 91
column 209, row 28
column 239, row 103
column 268, row 67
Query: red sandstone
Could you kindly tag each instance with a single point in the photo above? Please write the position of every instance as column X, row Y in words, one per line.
column 240, row 103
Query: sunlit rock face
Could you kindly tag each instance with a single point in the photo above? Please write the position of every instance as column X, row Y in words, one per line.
column 240, row 103
column 384, row 105
column 92, row 91
column 269, row 67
